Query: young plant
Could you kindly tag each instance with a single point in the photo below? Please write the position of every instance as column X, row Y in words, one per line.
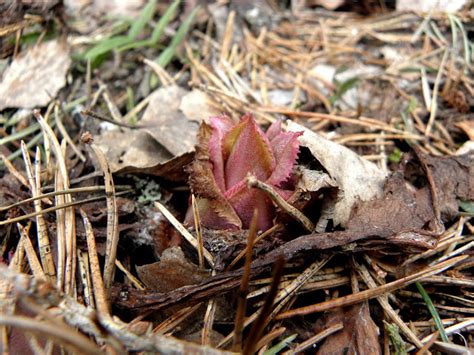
column 226, row 153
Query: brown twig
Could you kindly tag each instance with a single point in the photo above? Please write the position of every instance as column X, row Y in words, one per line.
column 262, row 319
column 243, row 290
column 374, row 292
column 252, row 181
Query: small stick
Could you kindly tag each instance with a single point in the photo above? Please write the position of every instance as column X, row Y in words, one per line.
column 62, row 129
column 106, row 119
column 61, row 192
column 252, row 181
column 136, row 282
column 261, row 321
column 197, row 225
column 373, row 292
column 112, row 107
column 57, row 207
column 258, row 239
column 427, row 346
column 284, row 295
column 35, row 265
column 208, row 319
column 99, row 290
column 160, row 72
column 112, row 215
column 227, row 41
column 12, row 170
column 434, row 100
column 168, row 325
column 184, row 232
column 268, row 338
column 85, row 274
column 139, row 107
column 67, row 336
column 42, row 230
column 244, row 284
column 389, row 311
column 316, row 338
column 68, row 214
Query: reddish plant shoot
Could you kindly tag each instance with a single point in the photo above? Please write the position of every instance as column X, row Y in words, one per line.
column 225, row 154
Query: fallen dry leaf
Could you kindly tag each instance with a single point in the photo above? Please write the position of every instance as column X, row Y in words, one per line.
column 171, row 272
column 313, row 180
column 167, row 120
column 431, row 5
column 402, row 209
column 34, row 78
column 135, row 151
column 403, row 216
column 454, row 180
column 357, row 178
column 197, row 106
column 167, row 143
column 131, row 149
column 360, row 335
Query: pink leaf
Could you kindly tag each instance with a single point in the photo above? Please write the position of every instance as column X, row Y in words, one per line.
column 245, row 201
column 220, row 126
column 248, row 150
column 285, row 148
column 274, row 130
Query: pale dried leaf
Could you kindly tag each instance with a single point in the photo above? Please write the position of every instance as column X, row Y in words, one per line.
column 34, row 78
column 431, row 5
column 313, row 180
column 168, row 121
column 131, row 148
column 357, row 178
column 196, row 106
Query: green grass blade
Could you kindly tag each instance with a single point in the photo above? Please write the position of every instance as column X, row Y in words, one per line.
column 36, row 139
column 20, row 134
column 467, row 206
column 166, row 56
column 433, row 311
column 145, row 16
column 134, row 45
column 343, row 88
column 157, row 31
column 164, row 21
column 280, row 346
column 105, row 46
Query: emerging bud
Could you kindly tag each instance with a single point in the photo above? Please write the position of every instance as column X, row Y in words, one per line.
column 225, row 154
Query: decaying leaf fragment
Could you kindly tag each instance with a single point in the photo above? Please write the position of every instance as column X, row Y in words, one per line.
column 357, row 178
column 167, row 120
column 453, row 178
column 171, row 272
column 131, row 149
column 360, row 335
column 34, row 78
column 165, row 140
